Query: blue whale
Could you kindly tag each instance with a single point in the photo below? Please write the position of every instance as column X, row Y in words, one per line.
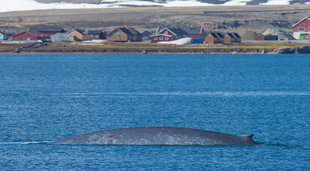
column 159, row 136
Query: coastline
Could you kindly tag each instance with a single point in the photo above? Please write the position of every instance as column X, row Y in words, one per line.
column 145, row 48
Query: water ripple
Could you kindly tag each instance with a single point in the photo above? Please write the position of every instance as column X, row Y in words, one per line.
column 224, row 93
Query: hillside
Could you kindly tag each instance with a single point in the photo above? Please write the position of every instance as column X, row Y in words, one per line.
column 219, row 18
column 163, row 2
column 24, row 5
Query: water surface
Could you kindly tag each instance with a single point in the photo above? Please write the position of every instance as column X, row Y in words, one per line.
column 46, row 97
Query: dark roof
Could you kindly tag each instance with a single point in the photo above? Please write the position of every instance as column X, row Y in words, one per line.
column 213, row 34
column 126, row 31
column 193, row 30
column 220, row 35
column 160, row 28
column 230, row 35
column 216, row 35
column 146, row 33
column 46, row 30
column 178, row 31
column 94, row 31
column 35, row 33
column 270, row 35
column 129, row 32
column 77, row 30
column 135, row 32
column 236, row 35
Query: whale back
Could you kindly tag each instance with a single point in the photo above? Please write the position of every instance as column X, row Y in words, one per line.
column 158, row 136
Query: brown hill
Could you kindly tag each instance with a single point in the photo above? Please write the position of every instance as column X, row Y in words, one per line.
column 235, row 18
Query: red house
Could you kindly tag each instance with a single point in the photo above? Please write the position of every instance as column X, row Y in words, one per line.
column 259, row 37
column 168, row 34
column 96, row 34
column 26, row 36
column 197, row 34
column 45, row 33
column 301, row 28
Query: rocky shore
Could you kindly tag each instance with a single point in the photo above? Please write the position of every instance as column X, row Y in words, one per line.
column 153, row 49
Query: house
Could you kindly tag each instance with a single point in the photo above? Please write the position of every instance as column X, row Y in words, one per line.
column 96, row 34
column 123, row 34
column 26, row 36
column 76, row 35
column 282, row 35
column 168, row 34
column 259, row 37
column 146, row 35
column 59, row 37
column 271, row 37
column 238, row 37
column 46, row 33
column 301, row 28
column 213, row 38
column 197, row 34
column 232, row 38
column 3, row 36
column 137, row 36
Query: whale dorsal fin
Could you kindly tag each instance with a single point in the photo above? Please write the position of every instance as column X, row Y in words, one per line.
column 248, row 136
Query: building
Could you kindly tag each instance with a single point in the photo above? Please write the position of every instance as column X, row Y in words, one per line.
column 168, row 34
column 76, row 35
column 271, row 37
column 238, row 37
column 260, row 37
column 123, row 34
column 198, row 34
column 146, row 35
column 282, row 35
column 96, row 34
column 26, row 36
column 45, row 33
column 232, row 38
column 301, row 28
column 213, row 38
column 137, row 36
column 59, row 37
column 3, row 36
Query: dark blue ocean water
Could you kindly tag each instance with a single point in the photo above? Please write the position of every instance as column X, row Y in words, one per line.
column 46, row 97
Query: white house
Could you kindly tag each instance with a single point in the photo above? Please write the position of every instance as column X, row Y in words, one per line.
column 3, row 36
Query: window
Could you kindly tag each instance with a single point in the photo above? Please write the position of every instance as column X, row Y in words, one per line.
column 97, row 36
column 309, row 29
column 166, row 32
column 300, row 29
column 166, row 38
column 161, row 38
column 155, row 38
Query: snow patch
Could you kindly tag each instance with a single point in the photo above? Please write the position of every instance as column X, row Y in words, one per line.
column 237, row 2
column 183, row 41
column 25, row 5
column 277, row 2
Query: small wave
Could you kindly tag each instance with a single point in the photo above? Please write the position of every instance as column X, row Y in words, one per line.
column 224, row 94
column 286, row 145
column 27, row 142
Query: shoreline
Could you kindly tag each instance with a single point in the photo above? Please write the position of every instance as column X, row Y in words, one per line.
column 135, row 48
